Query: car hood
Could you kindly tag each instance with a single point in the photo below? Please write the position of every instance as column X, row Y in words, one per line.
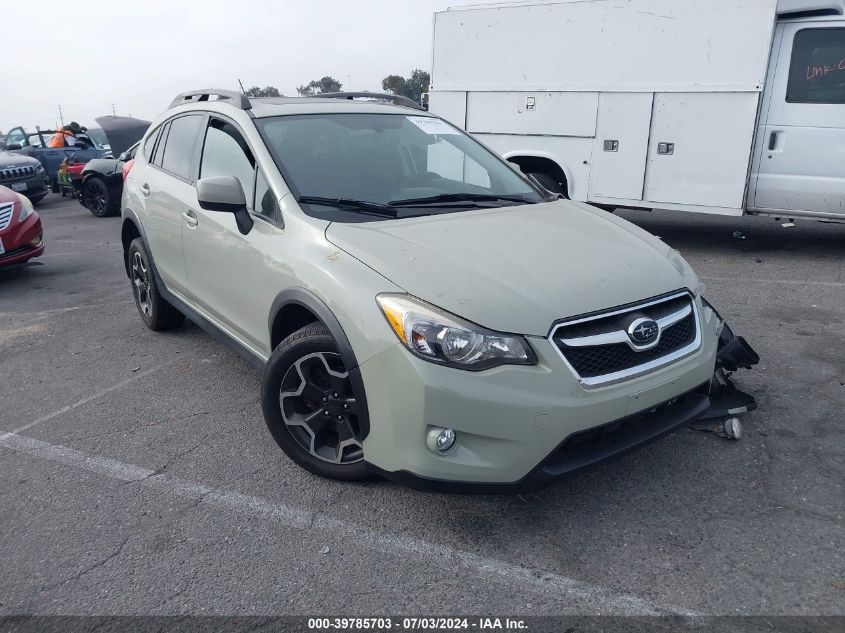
column 11, row 159
column 518, row 269
column 122, row 131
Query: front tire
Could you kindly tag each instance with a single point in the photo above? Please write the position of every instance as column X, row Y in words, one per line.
column 156, row 313
column 311, row 408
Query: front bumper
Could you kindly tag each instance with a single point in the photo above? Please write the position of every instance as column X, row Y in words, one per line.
column 580, row 451
column 36, row 187
column 22, row 241
column 518, row 426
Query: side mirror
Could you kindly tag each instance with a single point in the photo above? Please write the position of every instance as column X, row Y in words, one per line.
column 70, row 153
column 225, row 194
column 13, row 146
column 81, row 145
column 125, row 156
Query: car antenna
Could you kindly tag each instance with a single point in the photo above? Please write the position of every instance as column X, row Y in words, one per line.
column 242, row 87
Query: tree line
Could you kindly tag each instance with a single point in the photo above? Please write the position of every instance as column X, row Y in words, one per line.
column 412, row 87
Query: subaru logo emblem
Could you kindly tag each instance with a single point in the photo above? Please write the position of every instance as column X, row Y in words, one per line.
column 644, row 331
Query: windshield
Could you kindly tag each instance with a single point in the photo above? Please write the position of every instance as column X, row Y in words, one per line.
column 99, row 137
column 411, row 165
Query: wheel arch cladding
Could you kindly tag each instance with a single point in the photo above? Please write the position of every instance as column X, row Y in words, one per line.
column 295, row 308
column 128, row 232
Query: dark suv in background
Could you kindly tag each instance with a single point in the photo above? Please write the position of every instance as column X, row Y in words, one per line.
column 23, row 174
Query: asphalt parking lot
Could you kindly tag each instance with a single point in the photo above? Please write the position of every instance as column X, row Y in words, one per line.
column 137, row 475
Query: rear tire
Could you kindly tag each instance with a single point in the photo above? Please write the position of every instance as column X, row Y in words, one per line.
column 156, row 313
column 311, row 408
column 97, row 198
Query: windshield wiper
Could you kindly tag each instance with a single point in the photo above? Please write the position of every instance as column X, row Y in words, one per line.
column 362, row 206
column 458, row 197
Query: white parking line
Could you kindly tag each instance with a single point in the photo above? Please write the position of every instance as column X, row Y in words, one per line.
column 85, row 306
column 85, row 400
column 73, row 253
column 795, row 282
column 601, row 601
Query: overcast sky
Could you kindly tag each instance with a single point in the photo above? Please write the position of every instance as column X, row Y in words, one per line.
column 138, row 54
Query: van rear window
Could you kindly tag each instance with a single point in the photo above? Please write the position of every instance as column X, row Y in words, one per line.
column 817, row 73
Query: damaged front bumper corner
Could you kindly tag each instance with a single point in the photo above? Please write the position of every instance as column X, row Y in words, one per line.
column 733, row 353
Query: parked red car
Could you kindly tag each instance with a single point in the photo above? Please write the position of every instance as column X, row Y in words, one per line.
column 21, row 235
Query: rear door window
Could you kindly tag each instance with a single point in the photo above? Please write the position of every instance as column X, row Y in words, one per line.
column 817, row 73
column 181, row 142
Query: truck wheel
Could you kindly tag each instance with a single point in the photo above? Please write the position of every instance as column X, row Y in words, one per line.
column 156, row 313
column 97, row 198
column 550, row 184
column 310, row 405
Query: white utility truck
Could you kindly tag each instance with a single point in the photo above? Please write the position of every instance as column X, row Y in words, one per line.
column 715, row 106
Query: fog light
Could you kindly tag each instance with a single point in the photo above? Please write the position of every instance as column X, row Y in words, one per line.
column 441, row 440
column 445, row 440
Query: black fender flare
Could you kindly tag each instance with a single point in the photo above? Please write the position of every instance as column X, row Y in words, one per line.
column 307, row 299
column 130, row 216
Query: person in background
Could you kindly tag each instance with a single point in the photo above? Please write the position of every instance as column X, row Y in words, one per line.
column 66, row 137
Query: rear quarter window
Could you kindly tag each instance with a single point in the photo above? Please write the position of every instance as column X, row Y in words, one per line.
column 149, row 144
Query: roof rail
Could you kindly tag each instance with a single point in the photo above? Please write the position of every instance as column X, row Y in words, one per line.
column 237, row 99
column 397, row 99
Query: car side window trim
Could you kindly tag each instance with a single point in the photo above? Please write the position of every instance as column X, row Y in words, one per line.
column 278, row 221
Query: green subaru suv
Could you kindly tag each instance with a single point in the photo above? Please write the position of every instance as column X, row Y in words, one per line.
column 421, row 310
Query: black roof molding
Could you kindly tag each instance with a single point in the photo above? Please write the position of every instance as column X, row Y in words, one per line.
column 396, row 99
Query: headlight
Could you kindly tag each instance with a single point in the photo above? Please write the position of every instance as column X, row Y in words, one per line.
column 26, row 208
column 443, row 338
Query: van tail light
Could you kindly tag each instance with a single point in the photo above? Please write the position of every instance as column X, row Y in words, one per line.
column 127, row 167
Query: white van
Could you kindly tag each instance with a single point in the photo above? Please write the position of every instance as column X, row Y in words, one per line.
column 691, row 105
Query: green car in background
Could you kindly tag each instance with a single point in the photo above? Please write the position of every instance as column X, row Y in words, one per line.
column 420, row 309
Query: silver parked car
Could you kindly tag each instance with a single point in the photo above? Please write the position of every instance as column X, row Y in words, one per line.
column 420, row 309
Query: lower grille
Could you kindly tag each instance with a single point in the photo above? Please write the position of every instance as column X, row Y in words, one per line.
column 17, row 173
column 601, row 348
column 15, row 253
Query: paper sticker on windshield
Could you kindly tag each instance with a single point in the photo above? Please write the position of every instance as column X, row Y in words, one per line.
column 430, row 125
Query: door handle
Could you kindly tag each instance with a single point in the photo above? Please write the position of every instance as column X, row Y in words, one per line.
column 190, row 219
column 774, row 139
column 145, row 190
